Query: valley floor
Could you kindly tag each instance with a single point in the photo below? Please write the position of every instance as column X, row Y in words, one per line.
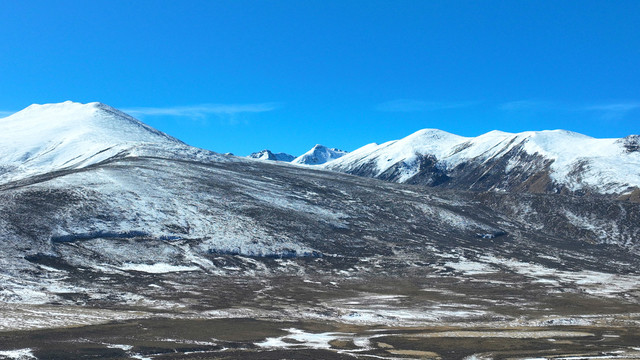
column 184, row 316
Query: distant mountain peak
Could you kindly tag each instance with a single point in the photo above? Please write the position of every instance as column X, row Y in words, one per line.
column 269, row 155
column 318, row 155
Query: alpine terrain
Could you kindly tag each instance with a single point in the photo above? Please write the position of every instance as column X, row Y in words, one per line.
column 120, row 241
column 556, row 161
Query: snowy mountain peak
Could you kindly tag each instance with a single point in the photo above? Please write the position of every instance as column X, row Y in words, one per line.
column 50, row 137
column 91, row 117
column 268, row 155
column 549, row 160
column 432, row 134
column 319, row 154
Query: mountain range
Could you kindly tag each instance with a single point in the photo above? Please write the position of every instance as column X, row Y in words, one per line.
column 552, row 161
column 104, row 218
column 556, row 161
column 318, row 155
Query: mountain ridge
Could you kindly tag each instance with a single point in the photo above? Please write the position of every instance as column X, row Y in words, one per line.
column 72, row 135
column 269, row 155
column 62, row 136
column 538, row 161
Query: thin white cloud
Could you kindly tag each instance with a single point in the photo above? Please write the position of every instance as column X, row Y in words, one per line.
column 550, row 105
column 4, row 113
column 202, row 110
column 527, row 105
column 628, row 106
column 612, row 111
column 409, row 105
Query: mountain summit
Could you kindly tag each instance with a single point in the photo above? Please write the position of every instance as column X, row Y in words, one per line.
column 69, row 135
column 268, row 155
column 319, row 154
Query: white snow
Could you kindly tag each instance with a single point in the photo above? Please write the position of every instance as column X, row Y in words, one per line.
column 578, row 161
column 318, row 155
column 471, row 267
column 268, row 155
column 301, row 338
column 20, row 354
column 591, row 282
column 50, row 137
column 140, row 357
column 157, row 268
column 119, row 346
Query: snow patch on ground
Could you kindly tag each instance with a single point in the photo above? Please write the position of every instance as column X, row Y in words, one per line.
column 469, row 267
column 30, row 317
column 300, row 338
column 591, row 282
column 119, row 346
column 157, row 268
column 20, row 354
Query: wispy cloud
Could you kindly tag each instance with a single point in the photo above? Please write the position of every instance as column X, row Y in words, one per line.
column 628, row 106
column 607, row 111
column 4, row 113
column 527, row 105
column 409, row 105
column 612, row 111
column 202, row 110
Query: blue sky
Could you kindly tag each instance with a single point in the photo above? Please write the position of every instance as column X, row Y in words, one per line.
column 239, row 76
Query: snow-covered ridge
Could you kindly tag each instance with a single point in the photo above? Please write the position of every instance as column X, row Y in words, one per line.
column 43, row 138
column 318, row 155
column 577, row 161
column 269, row 155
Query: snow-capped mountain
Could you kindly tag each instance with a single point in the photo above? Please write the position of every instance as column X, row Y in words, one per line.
column 318, row 155
column 69, row 135
column 535, row 161
column 268, row 155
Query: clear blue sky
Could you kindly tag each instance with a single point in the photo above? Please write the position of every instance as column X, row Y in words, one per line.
column 239, row 76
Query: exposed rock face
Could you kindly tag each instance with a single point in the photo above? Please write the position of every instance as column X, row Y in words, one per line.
column 633, row 195
column 632, row 143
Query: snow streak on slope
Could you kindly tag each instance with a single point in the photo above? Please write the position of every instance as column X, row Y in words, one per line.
column 43, row 138
column 576, row 161
column 319, row 155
